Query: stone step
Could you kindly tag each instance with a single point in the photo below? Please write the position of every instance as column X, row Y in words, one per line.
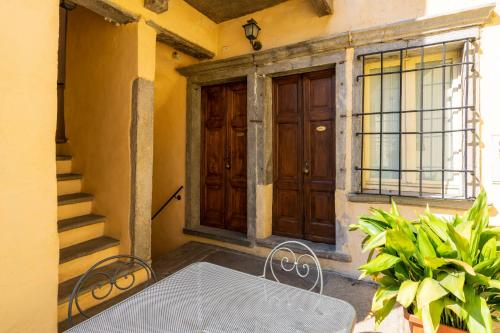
column 79, row 229
column 68, row 199
column 74, row 204
column 74, row 260
column 91, row 306
column 68, row 176
column 79, row 221
column 63, row 149
column 65, row 288
column 86, row 248
column 68, row 183
column 64, row 164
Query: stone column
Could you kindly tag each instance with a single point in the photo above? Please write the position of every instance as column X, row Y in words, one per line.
column 141, row 143
column 193, row 154
column 259, row 152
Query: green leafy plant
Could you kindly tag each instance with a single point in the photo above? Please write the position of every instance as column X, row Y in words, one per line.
column 443, row 270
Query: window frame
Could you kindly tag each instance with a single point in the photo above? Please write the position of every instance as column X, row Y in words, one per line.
column 470, row 178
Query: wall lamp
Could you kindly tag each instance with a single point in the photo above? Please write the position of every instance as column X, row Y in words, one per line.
column 251, row 33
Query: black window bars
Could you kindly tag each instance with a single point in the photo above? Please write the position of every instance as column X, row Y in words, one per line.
column 468, row 121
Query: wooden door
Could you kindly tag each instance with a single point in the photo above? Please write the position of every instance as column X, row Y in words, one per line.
column 223, row 174
column 304, row 156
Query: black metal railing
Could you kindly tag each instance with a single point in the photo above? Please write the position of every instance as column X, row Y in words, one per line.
column 468, row 131
column 176, row 196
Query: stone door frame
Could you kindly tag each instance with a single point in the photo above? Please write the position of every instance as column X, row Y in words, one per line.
column 259, row 133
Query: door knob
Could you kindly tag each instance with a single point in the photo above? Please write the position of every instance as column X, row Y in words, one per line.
column 306, row 168
column 228, row 166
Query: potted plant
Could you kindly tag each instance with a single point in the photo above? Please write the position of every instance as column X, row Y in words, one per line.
column 444, row 271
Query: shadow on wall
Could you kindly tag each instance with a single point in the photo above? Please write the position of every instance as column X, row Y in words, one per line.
column 169, row 148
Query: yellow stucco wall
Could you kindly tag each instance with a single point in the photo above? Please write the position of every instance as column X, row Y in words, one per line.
column 295, row 20
column 102, row 62
column 28, row 241
column 169, row 148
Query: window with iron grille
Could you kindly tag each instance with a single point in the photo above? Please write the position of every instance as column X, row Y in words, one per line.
column 418, row 120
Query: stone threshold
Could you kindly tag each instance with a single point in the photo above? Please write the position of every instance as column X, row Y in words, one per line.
column 222, row 235
column 322, row 250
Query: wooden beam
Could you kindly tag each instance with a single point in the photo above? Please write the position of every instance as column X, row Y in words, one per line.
column 179, row 43
column 108, row 10
column 157, row 6
column 323, row 7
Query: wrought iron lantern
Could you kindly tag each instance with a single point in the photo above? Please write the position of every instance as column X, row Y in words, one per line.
column 251, row 33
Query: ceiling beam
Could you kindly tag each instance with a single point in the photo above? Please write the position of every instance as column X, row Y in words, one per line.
column 179, row 43
column 107, row 9
column 157, row 6
column 323, row 7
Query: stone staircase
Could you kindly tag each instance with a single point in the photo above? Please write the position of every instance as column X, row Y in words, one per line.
column 82, row 240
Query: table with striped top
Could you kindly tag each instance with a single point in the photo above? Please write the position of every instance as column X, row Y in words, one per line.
column 208, row 298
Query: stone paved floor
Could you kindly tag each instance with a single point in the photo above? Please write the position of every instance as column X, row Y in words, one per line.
column 357, row 293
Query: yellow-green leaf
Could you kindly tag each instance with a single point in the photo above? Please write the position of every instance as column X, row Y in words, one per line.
column 400, row 242
column 429, row 291
column 435, row 263
column 382, row 262
column 454, row 283
column 489, row 250
column 407, row 292
column 437, row 225
column 461, row 244
column 431, row 316
column 478, row 314
column 494, row 284
column 424, row 245
column 384, row 311
column 381, row 296
column 455, row 307
column 374, row 241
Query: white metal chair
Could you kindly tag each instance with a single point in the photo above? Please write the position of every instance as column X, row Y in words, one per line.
column 101, row 282
column 299, row 263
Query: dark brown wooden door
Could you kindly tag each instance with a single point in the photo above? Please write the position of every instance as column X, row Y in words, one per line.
column 304, row 156
column 223, row 174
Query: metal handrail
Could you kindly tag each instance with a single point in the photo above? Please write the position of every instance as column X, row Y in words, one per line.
column 176, row 195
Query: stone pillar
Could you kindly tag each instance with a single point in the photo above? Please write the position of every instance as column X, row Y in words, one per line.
column 141, row 154
column 141, row 142
column 259, row 155
column 193, row 154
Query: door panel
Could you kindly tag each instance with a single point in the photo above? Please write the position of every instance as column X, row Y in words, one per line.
column 304, row 156
column 214, row 136
column 236, row 208
column 319, row 153
column 287, row 193
column 223, row 178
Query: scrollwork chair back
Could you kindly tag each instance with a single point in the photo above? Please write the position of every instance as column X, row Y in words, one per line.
column 300, row 263
column 125, row 267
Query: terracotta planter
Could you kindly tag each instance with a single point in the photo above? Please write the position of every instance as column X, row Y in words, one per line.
column 416, row 326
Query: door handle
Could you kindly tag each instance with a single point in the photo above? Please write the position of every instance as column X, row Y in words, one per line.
column 306, row 168
column 228, row 165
